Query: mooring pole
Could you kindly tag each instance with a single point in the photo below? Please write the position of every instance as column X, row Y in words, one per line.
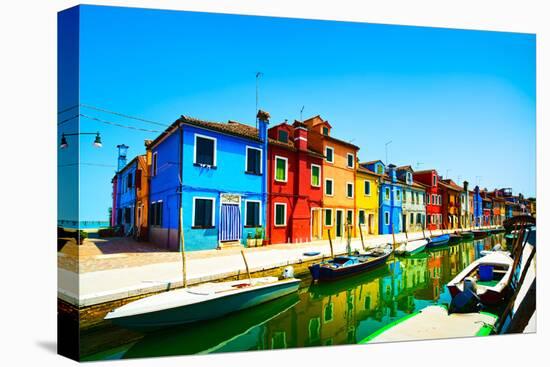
column 330, row 243
column 246, row 266
column 361, row 235
column 182, row 249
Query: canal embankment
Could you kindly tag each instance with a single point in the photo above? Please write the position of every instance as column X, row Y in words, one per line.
column 91, row 294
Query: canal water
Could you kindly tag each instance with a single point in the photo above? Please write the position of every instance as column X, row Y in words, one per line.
column 341, row 312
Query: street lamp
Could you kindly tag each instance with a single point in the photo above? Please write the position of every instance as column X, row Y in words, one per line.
column 64, row 144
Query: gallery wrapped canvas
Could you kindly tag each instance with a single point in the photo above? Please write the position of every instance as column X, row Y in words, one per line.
column 233, row 183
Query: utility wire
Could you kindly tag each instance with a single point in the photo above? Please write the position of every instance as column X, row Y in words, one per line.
column 123, row 115
column 119, row 125
column 67, row 109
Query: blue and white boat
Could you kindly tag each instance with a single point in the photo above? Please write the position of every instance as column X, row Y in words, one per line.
column 437, row 241
column 198, row 303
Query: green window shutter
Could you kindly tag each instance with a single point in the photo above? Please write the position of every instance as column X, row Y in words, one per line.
column 280, row 174
column 279, row 215
column 315, row 175
column 328, row 217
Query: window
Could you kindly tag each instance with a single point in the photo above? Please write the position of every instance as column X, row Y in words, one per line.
column 280, row 214
column 397, row 194
column 315, row 175
column 282, row 136
column 361, row 217
column 434, row 181
column 127, row 216
column 387, row 193
column 412, row 218
column 252, row 213
column 253, row 160
column 205, row 150
column 156, row 213
column 203, row 212
column 349, row 190
column 154, row 164
column 387, row 218
column 418, row 218
column 409, row 178
column 350, row 160
column 328, row 217
column 367, row 188
column 428, row 199
column 380, row 169
column 325, row 130
column 329, row 189
column 119, row 216
column 129, row 181
column 349, row 217
column 314, row 329
column 329, row 154
column 328, row 313
column 281, row 169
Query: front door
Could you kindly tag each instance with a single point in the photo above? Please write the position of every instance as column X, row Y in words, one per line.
column 230, row 223
column 371, row 224
column 339, row 215
column 404, row 221
column 316, row 224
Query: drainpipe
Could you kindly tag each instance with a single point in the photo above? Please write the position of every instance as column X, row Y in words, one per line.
column 263, row 122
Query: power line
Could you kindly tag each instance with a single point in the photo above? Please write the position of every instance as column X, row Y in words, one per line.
column 67, row 120
column 123, row 115
column 87, row 164
column 119, row 125
column 67, row 109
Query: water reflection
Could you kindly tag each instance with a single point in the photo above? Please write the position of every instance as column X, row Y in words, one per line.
column 341, row 312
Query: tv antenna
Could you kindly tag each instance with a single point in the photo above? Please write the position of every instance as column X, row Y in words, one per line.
column 301, row 113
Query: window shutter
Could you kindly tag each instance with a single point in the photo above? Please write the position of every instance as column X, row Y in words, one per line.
column 138, row 179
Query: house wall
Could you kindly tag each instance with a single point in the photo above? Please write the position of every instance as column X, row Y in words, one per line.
column 431, row 209
column 127, row 196
column 368, row 203
column 142, row 198
column 417, row 208
column 393, row 206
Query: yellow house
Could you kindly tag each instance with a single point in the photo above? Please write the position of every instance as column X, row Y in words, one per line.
column 366, row 201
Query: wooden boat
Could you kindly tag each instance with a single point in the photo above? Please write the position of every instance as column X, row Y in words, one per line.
column 198, row 303
column 497, row 230
column 412, row 247
column 434, row 322
column 480, row 233
column 341, row 266
column 467, row 235
column 437, row 241
column 489, row 277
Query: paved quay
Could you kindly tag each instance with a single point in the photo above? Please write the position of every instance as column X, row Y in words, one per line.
column 120, row 276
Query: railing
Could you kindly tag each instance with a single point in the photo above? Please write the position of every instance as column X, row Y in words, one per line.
column 83, row 224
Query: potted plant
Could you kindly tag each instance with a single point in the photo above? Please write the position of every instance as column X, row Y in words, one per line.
column 250, row 240
column 259, row 237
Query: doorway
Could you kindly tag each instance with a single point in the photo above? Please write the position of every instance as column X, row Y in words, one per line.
column 316, row 224
column 339, row 217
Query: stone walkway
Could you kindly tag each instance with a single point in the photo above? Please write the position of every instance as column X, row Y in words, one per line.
column 106, row 277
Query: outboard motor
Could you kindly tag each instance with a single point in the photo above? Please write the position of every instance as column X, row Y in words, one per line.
column 288, row 272
column 466, row 301
column 497, row 247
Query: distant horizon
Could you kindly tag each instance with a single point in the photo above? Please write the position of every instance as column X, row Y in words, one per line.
column 459, row 101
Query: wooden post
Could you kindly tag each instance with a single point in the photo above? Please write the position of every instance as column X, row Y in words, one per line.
column 361, row 235
column 406, row 237
column 246, row 265
column 330, row 243
column 393, row 234
column 182, row 250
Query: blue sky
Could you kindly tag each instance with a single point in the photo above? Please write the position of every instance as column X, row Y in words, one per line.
column 461, row 102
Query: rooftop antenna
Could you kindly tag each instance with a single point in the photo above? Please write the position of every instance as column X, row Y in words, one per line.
column 478, row 180
column 386, row 146
column 458, row 178
column 447, row 172
column 418, row 164
column 258, row 75
column 301, row 113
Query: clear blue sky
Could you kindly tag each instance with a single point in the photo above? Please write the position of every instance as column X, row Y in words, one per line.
column 455, row 100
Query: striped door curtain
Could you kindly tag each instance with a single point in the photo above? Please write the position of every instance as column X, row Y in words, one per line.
column 230, row 223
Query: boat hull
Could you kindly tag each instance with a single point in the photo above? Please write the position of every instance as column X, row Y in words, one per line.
column 208, row 309
column 467, row 235
column 480, row 234
column 438, row 241
column 320, row 273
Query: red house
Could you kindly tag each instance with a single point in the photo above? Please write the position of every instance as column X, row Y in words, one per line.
column 294, row 186
column 434, row 218
column 450, row 193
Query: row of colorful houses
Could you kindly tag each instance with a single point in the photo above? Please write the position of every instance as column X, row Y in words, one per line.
column 211, row 185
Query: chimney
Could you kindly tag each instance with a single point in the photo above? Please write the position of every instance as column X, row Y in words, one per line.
column 466, row 186
column 263, row 121
column 122, row 152
column 392, row 173
column 300, row 136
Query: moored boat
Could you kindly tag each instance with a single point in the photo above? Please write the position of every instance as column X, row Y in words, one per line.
column 467, row 235
column 198, row 303
column 488, row 277
column 480, row 233
column 412, row 247
column 434, row 322
column 455, row 238
column 341, row 266
column 437, row 241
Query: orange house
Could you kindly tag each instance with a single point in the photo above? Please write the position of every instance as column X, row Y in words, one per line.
column 339, row 167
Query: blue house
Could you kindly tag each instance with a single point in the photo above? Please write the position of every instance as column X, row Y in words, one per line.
column 478, row 207
column 214, row 174
column 126, row 196
column 390, row 198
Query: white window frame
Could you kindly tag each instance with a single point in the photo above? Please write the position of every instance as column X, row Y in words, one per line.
column 352, row 160
column 215, row 148
column 325, row 217
column 386, row 218
column 154, row 163
column 275, row 215
column 246, row 158
column 326, row 149
column 365, row 186
column 320, row 175
column 352, row 218
column 213, row 209
column 331, row 180
column 275, row 168
column 352, row 190
column 259, row 208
